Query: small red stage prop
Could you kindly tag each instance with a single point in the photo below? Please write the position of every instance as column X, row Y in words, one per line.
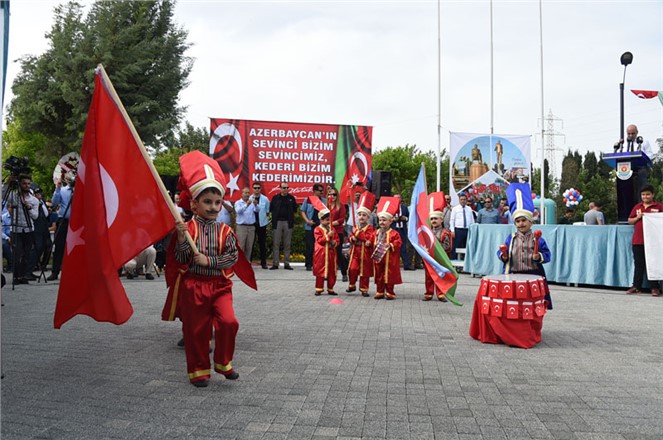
column 509, row 310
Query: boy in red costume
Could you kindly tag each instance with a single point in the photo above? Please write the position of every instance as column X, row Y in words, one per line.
column 436, row 205
column 361, row 239
column 202, row 297
column 324, row 252
column 387, row 251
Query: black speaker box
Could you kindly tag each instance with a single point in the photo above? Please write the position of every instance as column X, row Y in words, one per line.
column 381, row 184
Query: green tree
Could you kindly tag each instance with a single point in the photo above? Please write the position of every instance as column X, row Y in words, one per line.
column 188, row 139
column 550, row 186
column 404, row 163
column 19, row 144
column 143, row 53
column 51, row 91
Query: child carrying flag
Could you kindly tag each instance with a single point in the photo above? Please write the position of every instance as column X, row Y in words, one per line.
column 324, row 252
column 436, row 204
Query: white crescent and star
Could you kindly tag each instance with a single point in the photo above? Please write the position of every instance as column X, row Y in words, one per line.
column 362, row 159
column 111, row 201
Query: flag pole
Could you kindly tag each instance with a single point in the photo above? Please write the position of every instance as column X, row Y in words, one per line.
column 542, row 204
column 171, row 205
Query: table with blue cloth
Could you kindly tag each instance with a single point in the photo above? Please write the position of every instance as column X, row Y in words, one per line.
column 597, row 255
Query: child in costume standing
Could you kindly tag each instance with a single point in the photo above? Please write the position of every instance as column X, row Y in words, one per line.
column 361, row 239
column 524, row 251
column 203, row 297
column 387, row 251
column 324, row 252
column 437, row 204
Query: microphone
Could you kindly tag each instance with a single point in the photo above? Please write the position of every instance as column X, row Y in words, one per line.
column 639, row 141
column 619, row 145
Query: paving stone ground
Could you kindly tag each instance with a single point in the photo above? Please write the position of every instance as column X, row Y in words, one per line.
column 403, row 369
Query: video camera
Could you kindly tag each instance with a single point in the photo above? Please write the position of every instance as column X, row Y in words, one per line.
column 17, row 165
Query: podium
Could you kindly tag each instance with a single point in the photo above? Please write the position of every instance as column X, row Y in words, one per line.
column 632, row 169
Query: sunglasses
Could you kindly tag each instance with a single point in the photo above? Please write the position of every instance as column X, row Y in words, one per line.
column 332, row 194
column 284, row 187
column 256, row 187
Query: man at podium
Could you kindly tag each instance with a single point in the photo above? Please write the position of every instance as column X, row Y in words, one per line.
column 636, row 143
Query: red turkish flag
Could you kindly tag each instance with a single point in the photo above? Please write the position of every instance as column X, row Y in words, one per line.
column 512, row 309
column 118, row 209
column 645, row 94
column 527, row 308
column 496, row 307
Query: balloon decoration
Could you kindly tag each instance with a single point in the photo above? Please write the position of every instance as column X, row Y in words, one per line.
column 536, row 196
column 572, row 197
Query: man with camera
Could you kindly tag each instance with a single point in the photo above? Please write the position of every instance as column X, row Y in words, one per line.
column 23, row 208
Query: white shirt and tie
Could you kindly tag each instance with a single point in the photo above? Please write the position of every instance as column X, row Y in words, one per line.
column 461, row 217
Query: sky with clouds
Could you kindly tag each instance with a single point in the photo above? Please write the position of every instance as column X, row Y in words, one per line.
column 376, row 63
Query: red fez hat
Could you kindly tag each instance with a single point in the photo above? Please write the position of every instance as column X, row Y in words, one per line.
column 198, row 172
column 366, row 202
column 436, row 204
column 388, row 207
column 319, row 206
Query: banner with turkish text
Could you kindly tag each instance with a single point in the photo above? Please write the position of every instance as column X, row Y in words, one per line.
column 300, row 154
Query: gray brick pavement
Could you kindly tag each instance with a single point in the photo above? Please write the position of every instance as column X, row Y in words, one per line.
column 404, row 369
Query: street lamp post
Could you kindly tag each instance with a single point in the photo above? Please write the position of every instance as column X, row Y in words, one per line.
column 626, row 59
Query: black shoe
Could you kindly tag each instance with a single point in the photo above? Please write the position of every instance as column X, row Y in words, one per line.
column 274, row 267
column 331, row 292
column 130, row 276
column 365, row 294
column 264, row 266
column 308, row 269
column 345, row 278
column 318, row 293
column 200, row 383
column 232, row 376
column 180, row 343
column 149, row 276
column 287, row 267
column 350, row 290
column 407, row 268
column 52, row 277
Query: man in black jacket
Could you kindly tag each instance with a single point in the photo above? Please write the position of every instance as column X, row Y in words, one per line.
column 283, row 208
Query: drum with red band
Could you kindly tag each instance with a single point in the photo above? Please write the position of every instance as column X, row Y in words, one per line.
column 509, row 309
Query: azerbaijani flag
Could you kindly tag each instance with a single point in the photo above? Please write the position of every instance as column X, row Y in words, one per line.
column 436, row 261
column 353, row 159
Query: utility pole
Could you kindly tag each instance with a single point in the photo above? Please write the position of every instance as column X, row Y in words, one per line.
column 549, row 141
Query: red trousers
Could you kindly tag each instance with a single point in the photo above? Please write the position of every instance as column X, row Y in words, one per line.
column 353, row 274
column 331, row 282
column 430, row 286
column 381, row 287
column 207, row 303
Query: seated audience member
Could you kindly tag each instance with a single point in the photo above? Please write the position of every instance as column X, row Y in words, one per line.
column 143, row 262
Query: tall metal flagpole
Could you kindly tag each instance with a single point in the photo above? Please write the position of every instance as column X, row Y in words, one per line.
column 439, row 98
column 492, row 103
column 542, row 205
